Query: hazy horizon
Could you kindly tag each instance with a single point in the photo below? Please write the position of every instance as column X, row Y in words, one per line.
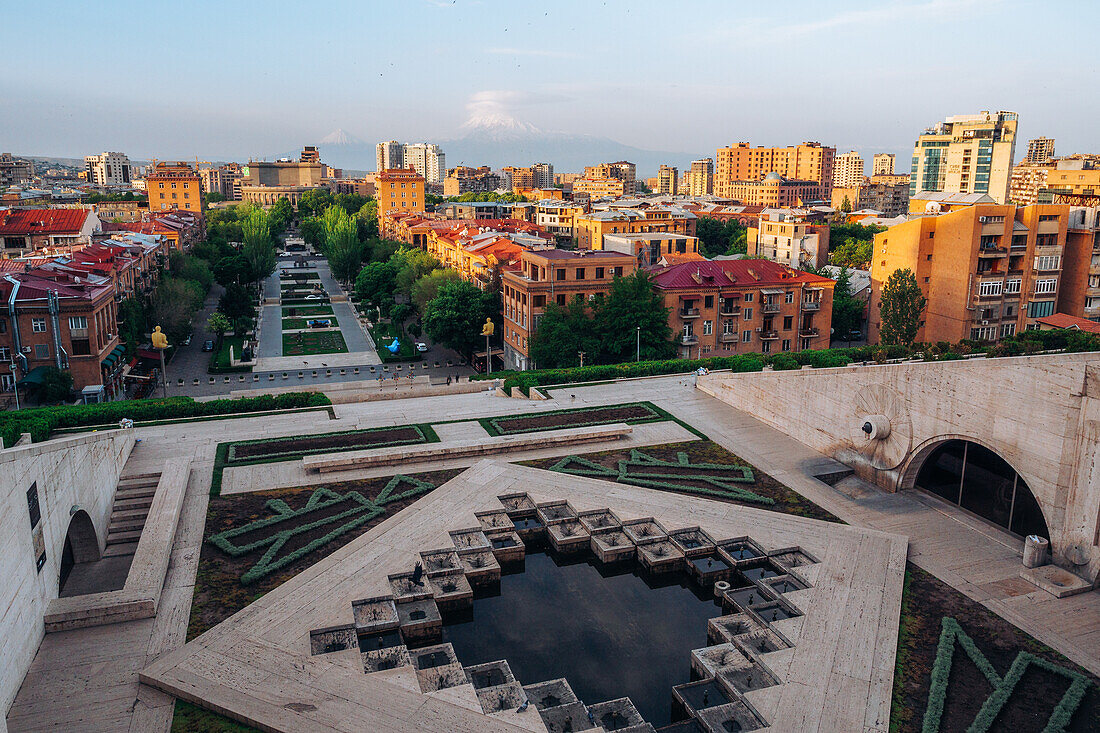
column 230, row 82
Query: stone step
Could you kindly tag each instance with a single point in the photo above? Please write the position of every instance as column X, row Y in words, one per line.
column 140, row 476
column 131, row 504
column 114, row 538
column 135, row 493
column 125, row 525
column 120, row 550
column 138, row 513
column 138, row 480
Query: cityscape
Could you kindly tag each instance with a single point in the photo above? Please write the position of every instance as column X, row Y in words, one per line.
column 383, row 403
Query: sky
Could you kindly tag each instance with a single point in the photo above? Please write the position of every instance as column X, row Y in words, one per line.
column 225, row 81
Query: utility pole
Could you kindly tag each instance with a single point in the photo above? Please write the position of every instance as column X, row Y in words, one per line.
column 15, row 385
column 581, row 355
column 638, row 352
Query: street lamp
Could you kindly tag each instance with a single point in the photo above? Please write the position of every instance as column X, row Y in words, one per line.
column 14, row 384
column 638, row 345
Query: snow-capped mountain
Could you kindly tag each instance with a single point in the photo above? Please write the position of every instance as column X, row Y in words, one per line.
column 339, row 137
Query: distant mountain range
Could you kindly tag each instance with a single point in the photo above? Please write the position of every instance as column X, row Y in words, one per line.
column 505, row 141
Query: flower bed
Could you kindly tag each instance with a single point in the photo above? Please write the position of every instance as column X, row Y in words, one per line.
column 321, row 342
column 632, row 413
column 252, row 451
column 307, row 310
column 219, row 360
column 294, row 324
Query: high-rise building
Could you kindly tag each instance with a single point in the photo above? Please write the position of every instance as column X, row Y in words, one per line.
column 225, row 179
column 427, row 160
column 701, row 177
column 173, row 186
column 808, row 161
column 14, row 171
column 108, row 169
column 966, row 154
column 389, row 156
column 1040, row 149
column 521, row 178
column 620, row 170
column 668, row 180
column 882, row 164
column 544, row 175
column 987, row 270
column 848, row 170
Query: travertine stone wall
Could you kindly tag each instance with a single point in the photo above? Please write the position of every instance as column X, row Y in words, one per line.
column 1040, row 413
column 70, row 472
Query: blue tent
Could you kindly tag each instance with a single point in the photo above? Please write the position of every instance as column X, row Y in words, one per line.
column 395, row 346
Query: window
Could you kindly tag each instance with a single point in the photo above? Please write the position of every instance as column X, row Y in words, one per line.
column 1012, row 286
column 786, row 344
column 708, row 301
column 1045, row 286
column 728, row 328
column 559, row 274
column 1047, row 262
column 788, row 321
column 41, row 351
column 1008, row 329
column 1046, row 240
column 78, row 323
column 749, row 297
column 708, row 328
column 989, row 288
column 599, row 273
column 38, row 325
column 561, row 299
column 1049, row 217
column 788, row 297
column 748, row 313
column 765, row 347
column 746, row 336
column 617, row 271
column 985, row 333
column 1040, row 309
column 5, row 353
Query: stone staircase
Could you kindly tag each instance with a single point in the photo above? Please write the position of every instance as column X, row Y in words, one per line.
column 133, row 497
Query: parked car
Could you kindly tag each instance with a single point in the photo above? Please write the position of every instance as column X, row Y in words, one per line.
column 421, row 346
column 208, row 345
column 313, row 296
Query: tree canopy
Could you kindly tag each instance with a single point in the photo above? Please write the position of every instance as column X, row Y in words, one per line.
column 720, row 238
column 901, row 305
column 847, row 309
column 563, row 332
column 341, row 243
column 427, row 287
column 259, row 245
column 455, row 316
column 852, row 245
column 376, row 282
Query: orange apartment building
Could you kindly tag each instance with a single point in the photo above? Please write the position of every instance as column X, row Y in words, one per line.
column 987, row 270
column 775, row 192
column 808, row 161
column 1079, row 291
column 589, row 229
column 724, row 307
column 596, row 188
column 551, row 276
column 174, row 186
column 400, row 190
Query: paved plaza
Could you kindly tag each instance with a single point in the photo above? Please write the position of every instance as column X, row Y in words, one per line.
column 88, row 679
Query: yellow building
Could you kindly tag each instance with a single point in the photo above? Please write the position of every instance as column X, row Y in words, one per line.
column 668, row 181
column 400, row 191
column 589, row 229
column 174, row 186
column 602, row 187
column 805, row 162
column 966, row 154
column 701, row 177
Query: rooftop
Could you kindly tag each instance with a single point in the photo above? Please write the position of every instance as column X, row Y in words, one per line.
column 718, row 273
column 42, row 221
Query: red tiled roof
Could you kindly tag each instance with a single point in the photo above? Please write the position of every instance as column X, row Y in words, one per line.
column 138, row 227
column 753, row 273
column 1063, row 320
column 42, row 221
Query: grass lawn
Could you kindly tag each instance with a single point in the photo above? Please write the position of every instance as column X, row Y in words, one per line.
column 307, row 310
column 291, row 324
column 220, row 358
column 321, row 342
column 300, row 301
column 383, row 335
column 190, row 718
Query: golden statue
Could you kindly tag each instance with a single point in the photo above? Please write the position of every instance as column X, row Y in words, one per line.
column 487, row 329
column 160, row 341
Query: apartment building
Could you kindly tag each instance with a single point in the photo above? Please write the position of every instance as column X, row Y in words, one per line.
column 808, row 161
column 466, row 179
column 43, row 232
column 224, row 179
column 668, row 181
column 882, row 164
column 891, row 179
column 477, row 252
column 389, row 156
column 14, row 171
column 1079, row 291
column 522, row 179
column 399, row 191
column 557, row 217
column 60, row 320
column 789, row 237
column 427, row 159
column 654, row 249
column 724, row 307
column 589, row 229
column 1039, row 150
column 108, row 169
column 891, row 199
column 552, row 276
column 966, row 154
column 988, row 270
column 174, row 186
column 595, row 188
column 775, row 191
column 701, row 177
column 544, row 175
column 848, row 170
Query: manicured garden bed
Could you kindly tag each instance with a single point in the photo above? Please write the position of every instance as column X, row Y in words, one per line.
column 633, row 413
column 285, row 449
column 299, row 301
column 307, row 310
column 189, row 718
column 322, row 342
column 293, row 324
column 699, row 467
column 383, row 335
column 219, row 360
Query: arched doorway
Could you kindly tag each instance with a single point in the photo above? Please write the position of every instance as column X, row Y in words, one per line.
column 977, row 479
column 81, row 545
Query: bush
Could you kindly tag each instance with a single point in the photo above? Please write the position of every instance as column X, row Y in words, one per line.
column 40, row 422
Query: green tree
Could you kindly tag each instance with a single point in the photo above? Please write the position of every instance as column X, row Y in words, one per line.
column 632, row 303
column 280, row 215
column 412, row 264
column 174, row 303
column 427, row 287
column 367, row 220
column 219, row 323
column 132, row 326
column 399, row 314
column 232, row 270
column 342, row 246
column 188, row 267
column 564, row 332
column 259, row 246
column 847, row 309
column 237, row 302
column 900, row 307
column 312, row 230
column 314, row 201
column 720, row 238
column 376, row 282
column 455, row 316
column 846, row 205
column 214, row 197
column 852, row 253
column 56, row 385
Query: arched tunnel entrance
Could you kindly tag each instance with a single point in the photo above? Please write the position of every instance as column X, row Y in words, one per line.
column 977, row 479
column 81, row 545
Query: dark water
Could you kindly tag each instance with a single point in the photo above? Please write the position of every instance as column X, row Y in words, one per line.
column 608, row 632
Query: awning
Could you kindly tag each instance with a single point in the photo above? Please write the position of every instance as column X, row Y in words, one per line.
column 729, row 295
column 111, row 358
column 34, row 377
column 772, row 291
column 148, row 354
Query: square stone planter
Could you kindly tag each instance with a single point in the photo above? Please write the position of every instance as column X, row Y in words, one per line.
column 494, row 520
column 707, row 569
column 452, row 592
column 404, row 589
column 660, row 556
column 470, row 538
column 375, row 614
column 333, row 639
column 480, row 565
column 740, row 551
column 554, row 511
column 612, row 545
column 568, row 536
column 647, row 529
column 507, row 546
column 550, row 694
column 692, row 541
column 597, row 519
column 616, row 714
column 440, row 562
column 518, row 505
column 420, row 620
column 380, row 660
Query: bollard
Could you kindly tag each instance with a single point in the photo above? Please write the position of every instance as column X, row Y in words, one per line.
column 1035, row 551
column 721, row 587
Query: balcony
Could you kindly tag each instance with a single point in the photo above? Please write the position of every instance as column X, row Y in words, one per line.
column 807, row 332
column 811, row 305
column 688, row 312
column 733, row 310
column 769, row 335
column 688, row 339
column 772, row 307
column 727, row 338
column 991, row 251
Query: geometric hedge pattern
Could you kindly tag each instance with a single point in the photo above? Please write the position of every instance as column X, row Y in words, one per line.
column 641, row 469
column 325, row 508
column 952, row 635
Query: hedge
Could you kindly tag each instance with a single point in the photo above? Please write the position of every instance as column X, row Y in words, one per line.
column 1027, row 342
column 40, row 422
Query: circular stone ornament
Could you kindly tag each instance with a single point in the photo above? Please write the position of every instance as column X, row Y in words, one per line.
column 881, row 429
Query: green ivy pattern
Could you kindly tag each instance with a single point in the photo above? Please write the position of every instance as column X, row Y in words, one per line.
column 952, row 635
column 641, row 469
column 354, row 510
